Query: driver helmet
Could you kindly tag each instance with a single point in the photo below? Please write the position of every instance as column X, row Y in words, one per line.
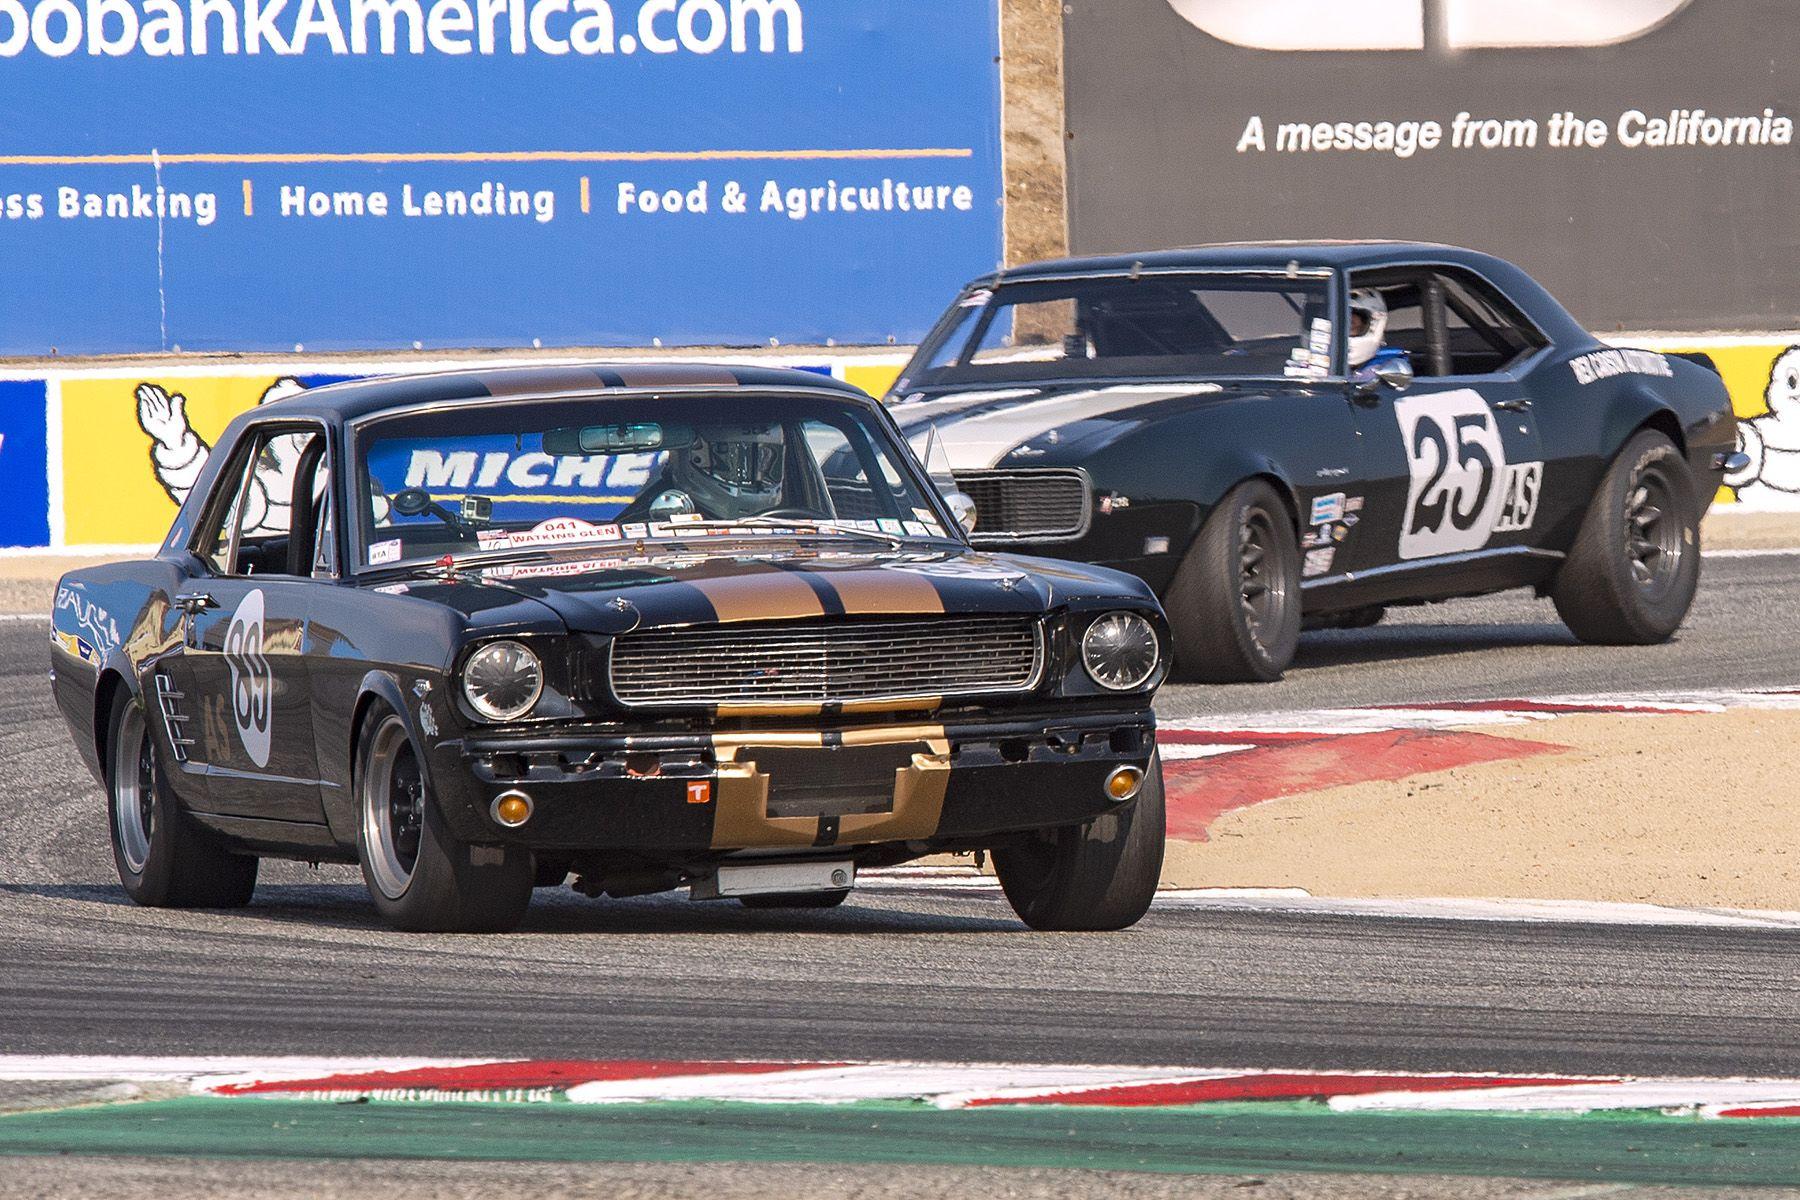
column 1368, row 324
column 732, row 471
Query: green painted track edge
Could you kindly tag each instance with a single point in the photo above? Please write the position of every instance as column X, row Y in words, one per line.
column 1209, row 1139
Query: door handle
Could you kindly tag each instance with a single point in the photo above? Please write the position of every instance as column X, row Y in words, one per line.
column 192, row 603
column 1519, row 405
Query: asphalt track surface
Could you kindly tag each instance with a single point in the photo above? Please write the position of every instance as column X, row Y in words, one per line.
column 926, row 975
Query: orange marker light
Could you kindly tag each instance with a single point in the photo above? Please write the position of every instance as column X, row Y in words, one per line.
column 512, row 809
column 1123, row 783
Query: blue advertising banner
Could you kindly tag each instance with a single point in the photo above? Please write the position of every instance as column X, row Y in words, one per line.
column 377, row 174
column 24, row 467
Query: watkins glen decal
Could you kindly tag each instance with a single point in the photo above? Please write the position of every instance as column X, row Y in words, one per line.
column 252, row 683
column 1461, row 490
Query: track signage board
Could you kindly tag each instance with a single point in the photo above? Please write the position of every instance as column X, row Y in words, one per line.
column 1636, row 156
column 387, row 174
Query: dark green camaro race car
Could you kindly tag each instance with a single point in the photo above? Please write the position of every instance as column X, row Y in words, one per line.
column 1300, row 434
column 653, row 626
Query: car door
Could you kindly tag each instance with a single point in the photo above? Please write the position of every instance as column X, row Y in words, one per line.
column 1453, row 462
column 241, row 667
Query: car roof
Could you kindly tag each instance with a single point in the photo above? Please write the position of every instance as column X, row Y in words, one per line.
column 1271, row 255
column 1313, row 256
column 365, row 397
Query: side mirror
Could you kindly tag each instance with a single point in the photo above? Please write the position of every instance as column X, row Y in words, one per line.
column 962, row 507
column 1394, row 374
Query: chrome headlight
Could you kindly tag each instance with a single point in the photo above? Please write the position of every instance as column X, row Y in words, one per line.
column 502, row 681
column 1120, row 651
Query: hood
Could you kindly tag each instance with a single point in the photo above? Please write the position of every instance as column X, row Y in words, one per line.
column 674, row 586
column 1052, row 424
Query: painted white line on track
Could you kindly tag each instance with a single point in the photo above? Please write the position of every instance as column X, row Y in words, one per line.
column 1562, row 912
column 1756, row 552
column 11, row 618
column 900, row 880
column 136, row 1069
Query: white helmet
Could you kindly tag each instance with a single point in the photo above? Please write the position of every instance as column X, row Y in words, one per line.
column 1368, row 303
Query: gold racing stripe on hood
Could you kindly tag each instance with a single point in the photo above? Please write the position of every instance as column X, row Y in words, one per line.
column 759, row 592
column 868, row 592
column 741, row 792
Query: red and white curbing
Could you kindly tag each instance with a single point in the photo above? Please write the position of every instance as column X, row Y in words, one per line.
column 1207, row 737
column 942, row 1085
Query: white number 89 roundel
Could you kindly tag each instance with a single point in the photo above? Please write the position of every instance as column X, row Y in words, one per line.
column 1456, row 462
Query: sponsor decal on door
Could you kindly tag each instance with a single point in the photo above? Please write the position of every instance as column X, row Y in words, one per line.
column 1461, row 489
column 252, row 683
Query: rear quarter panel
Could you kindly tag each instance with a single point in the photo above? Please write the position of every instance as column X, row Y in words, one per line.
column 109, row 620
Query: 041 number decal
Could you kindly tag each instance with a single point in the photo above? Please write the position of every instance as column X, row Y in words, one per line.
column 1461, row 489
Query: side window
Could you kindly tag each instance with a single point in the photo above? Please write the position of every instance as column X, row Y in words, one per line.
column 1486, row 334
column 278, row 498
column 1406, row 323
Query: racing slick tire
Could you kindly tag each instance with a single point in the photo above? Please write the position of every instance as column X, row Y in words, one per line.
column 1097, row 876
column 420, row 876
column 163, row 859
column 1635, row 564
column 1234, row 608
column 796, row 900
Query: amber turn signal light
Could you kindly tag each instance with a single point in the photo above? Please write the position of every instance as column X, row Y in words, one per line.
column 1123, row 784
column 511, row 809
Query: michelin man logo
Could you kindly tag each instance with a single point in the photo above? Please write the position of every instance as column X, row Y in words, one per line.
column 1401, row 24
column 1772, row 440
column 177, row 453
column 252, row 683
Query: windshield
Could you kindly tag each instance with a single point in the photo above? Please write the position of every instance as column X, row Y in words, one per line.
column 1111, row 327
column 513, row 477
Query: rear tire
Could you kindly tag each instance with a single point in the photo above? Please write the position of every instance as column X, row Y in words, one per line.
column 1098, row 876
column 1234, row 608
column 422, row 878
column 1631, row 575
column 163, row 860
column 796, row 900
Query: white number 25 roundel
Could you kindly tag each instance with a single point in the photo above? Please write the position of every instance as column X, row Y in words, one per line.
column 1461, row 490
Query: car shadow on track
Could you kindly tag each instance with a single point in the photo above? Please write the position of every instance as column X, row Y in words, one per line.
column 562, row 912
column 1382, row 643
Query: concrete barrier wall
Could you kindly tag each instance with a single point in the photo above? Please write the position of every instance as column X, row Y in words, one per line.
column 97, row 458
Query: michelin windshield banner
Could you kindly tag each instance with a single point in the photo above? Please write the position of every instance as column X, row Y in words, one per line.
column 1637, row 157
column 375, row 174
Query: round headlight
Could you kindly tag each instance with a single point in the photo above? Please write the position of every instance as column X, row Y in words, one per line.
column 502, row 681
column 1120, row 652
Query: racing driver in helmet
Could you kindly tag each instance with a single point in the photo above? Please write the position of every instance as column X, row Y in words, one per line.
column 726, row 473
column 1368, row 326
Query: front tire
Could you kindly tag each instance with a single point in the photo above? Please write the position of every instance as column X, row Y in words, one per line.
column 1098, row 876
column 1635, row 565
column 162, row 859
column 1234, row 608
column 421, row 878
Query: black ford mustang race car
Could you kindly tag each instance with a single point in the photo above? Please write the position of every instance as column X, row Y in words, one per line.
column 1283, row 434
column 656, row 626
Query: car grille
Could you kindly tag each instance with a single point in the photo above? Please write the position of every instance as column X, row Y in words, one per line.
column 818, row 662
column 1044, row 505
